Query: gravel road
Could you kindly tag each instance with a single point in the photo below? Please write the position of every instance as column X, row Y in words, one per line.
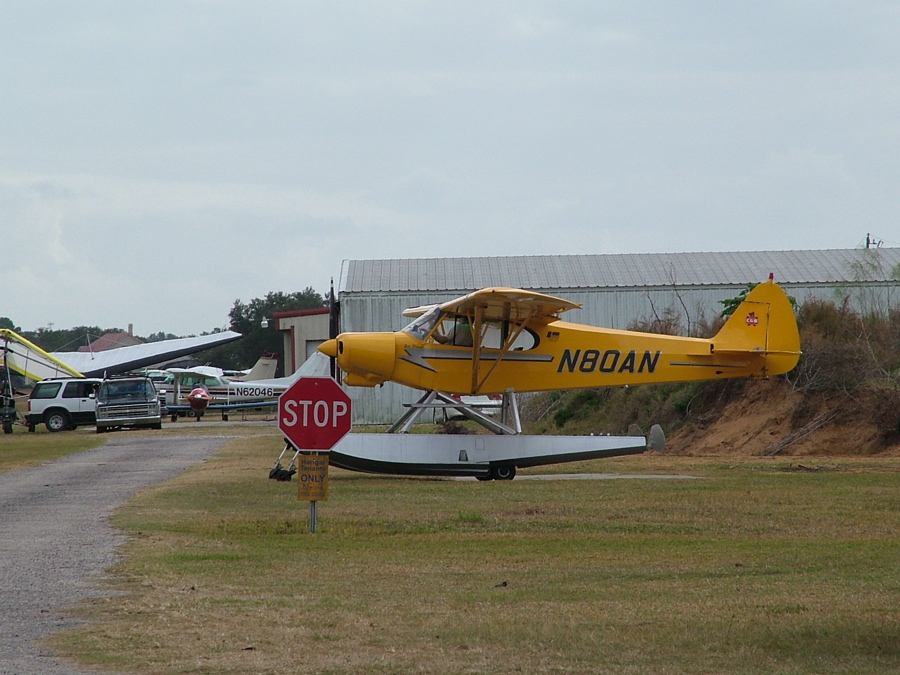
column 55, row 543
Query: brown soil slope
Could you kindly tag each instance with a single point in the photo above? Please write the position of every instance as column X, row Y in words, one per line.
column 770, row 418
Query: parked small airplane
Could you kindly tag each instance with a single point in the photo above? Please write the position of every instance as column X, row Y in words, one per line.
column 498, row 339
column 224, row 393
column 507, row 340
column 174, row 381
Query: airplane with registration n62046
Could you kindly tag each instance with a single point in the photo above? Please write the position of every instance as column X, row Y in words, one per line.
column 192, row 391
column 506, row 340
column 498, row 339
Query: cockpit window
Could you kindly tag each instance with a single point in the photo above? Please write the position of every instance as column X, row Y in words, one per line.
column 456, row 330
column 422, row 326
column 443, row 328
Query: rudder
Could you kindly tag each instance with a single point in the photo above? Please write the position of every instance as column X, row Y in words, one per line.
column 764, row 323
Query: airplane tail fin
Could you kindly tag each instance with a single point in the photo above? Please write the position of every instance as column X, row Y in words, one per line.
column 263, row 369
column 763, row 324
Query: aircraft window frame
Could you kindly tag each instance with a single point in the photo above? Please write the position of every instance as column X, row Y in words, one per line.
column 441, row 327
column 492, row 329
column 455, row 336
column 194, row 380
column 423, row 326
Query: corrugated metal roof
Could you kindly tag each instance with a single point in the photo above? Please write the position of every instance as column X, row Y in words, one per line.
column 619, row 270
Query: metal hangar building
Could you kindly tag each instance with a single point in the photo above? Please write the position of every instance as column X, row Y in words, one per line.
column 614, row 290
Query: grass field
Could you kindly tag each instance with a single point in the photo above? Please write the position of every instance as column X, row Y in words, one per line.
column 22, row 449
column 753, row 566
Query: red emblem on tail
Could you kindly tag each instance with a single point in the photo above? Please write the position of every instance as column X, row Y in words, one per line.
column 752, row 319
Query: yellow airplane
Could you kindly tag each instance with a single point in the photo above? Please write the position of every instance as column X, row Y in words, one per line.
column 497, row 340
column 507, row 340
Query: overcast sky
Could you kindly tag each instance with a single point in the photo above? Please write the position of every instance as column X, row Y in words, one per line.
column 160, row 159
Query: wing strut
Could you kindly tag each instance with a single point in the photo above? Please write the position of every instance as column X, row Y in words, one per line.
column 508, row 342
column 509, row 423
column 476, row 345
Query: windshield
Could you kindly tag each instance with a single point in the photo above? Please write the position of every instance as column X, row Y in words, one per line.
column 191, row 380
column 133, row 390
column 423, row 325
column 443, row 327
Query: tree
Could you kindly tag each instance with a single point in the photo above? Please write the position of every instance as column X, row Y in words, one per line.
column 247, row 319
column 731, row 304
column 160, row 336
column 66, row 340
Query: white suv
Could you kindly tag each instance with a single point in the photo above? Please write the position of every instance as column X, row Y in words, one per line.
column 63, row 404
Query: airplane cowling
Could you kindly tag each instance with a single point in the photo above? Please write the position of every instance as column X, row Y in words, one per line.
column 199, row 399
column 367, row 358
column 329, row 348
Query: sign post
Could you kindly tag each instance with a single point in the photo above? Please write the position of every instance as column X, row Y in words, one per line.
column 314, row 414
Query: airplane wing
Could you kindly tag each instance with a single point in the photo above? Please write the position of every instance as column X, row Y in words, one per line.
column 509, row 304
column 27, row 359
column 123, row 359
column 417, row 311
column 200, row 371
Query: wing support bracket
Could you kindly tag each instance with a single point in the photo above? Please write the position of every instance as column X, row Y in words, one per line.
column 509, row 423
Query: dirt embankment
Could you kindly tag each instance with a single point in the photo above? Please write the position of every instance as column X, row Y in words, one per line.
column 770, row 418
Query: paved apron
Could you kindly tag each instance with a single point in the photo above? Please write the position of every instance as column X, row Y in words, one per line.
column 55, row 542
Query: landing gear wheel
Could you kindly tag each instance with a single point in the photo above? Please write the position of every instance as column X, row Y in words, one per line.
column 7, row 427
column 57, row 421
column 503, row 472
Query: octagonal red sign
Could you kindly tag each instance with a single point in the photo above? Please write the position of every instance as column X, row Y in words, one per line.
column 314, row 413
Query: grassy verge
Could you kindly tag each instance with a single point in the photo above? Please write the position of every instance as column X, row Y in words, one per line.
column 21, row 449
column 753, row 567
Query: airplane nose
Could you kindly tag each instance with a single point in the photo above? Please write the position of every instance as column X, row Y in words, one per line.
column 367, row 358
column 329, row 348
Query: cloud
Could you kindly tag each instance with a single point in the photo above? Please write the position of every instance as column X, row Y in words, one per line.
column 160, row 160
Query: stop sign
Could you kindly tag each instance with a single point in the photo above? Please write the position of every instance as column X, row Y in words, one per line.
column 314, row 413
